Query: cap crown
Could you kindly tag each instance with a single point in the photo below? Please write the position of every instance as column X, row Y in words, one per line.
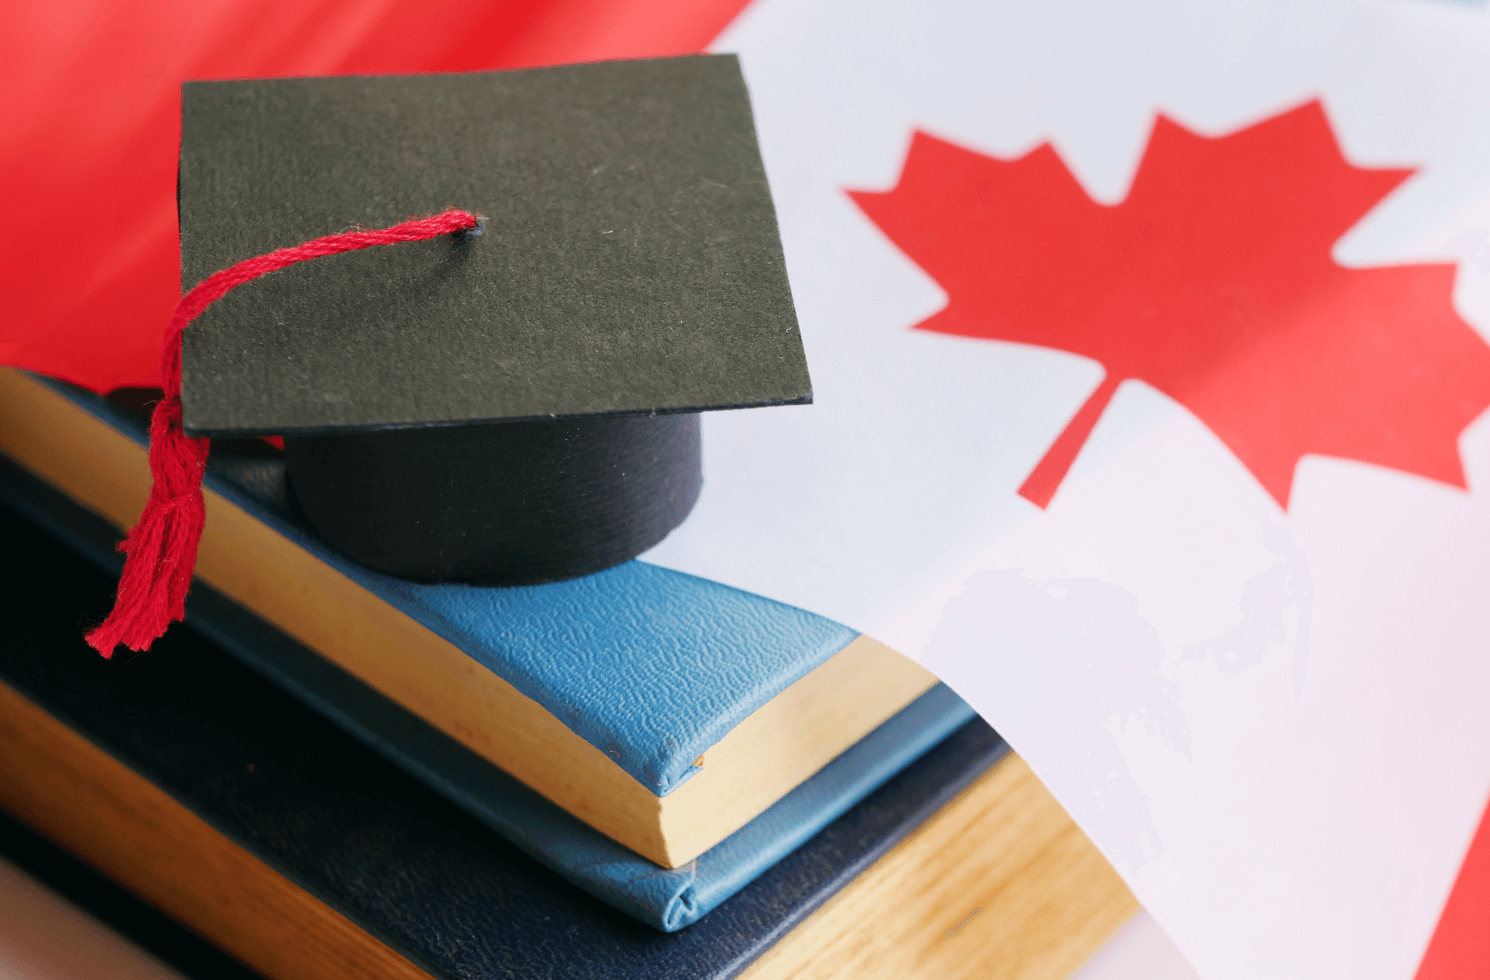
column 630, row 262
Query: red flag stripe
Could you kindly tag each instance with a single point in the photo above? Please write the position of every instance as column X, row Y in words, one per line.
column 1460, row 949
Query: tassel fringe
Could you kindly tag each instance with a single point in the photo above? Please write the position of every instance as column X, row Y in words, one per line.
column 161, row 549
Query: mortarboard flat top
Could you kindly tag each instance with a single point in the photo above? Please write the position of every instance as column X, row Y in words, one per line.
column 630, row 264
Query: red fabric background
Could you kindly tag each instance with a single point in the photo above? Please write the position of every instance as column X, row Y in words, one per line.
column 91, row 124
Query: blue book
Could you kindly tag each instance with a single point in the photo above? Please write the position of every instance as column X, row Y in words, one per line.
column 200, row 785
column 647, row 673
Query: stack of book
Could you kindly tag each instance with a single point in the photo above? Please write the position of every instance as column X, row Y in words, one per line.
column 636, row 773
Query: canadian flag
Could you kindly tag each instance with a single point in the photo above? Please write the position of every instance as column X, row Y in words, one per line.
column 1151, row 347
column 1150, row 350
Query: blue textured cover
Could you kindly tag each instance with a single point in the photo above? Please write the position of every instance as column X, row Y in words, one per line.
column 666, row 899
column 696, row 657
column 362, row 836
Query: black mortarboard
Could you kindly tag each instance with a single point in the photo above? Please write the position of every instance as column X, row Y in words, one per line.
column 514, row 407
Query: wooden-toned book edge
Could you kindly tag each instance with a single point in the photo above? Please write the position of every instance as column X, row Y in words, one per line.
column 1045, row 898
column 762, row 759
column 108, row 816
column 999, row 885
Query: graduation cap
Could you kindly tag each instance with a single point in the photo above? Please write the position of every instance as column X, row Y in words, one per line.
column 517, row 402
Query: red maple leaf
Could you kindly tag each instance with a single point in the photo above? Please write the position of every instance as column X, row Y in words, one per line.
column 1214, row 283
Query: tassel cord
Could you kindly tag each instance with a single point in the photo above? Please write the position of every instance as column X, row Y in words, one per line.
column 161, row 549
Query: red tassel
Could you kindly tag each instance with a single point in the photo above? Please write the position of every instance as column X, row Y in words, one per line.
column 161, row 549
